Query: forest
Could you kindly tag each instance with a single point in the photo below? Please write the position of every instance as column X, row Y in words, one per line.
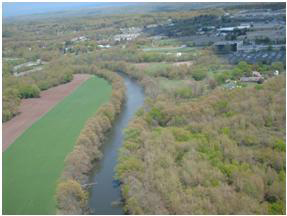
column 189, row 157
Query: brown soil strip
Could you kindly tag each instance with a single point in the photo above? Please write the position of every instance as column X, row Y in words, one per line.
column 187, row 63
column 34, row 108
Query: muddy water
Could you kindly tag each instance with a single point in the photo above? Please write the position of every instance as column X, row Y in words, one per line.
column 106, row 193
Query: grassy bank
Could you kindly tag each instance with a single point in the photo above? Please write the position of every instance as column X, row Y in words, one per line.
column 72, row 195
column 33, row 163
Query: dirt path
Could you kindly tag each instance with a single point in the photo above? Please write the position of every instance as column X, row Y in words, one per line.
column 34, row 108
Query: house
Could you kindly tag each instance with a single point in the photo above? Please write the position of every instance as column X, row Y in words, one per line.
column 256, row 74
column 178, row 54
column 81, row 38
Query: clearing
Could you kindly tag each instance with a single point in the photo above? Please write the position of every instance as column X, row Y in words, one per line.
column 34, row 162
column 33, row 108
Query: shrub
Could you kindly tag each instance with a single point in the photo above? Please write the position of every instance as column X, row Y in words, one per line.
column 222, row 77
column 280, row 146
column 221, row 106
column 29, row 91
column 180, row 134
column 128, row 164
column 185, row 92
column 199, row 74
column 157, row 115
column 71, row 198
column 276, row 208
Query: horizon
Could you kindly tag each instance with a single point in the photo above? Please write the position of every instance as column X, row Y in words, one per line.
column 14, row 9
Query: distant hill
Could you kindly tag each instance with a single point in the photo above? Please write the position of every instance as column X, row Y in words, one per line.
column 88, row 9
column 34, row 11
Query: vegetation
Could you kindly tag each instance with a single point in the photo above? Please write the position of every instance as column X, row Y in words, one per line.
column 189, row 158
column 35, row 161
column 194, row 145
column 16, row 88
column 78, row 163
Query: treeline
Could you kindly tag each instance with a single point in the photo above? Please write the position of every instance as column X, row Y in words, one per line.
column 189, row 157
column 134, row 55
column 245, row 69
column 71, row 195
column 190, row 87
column 30, row 86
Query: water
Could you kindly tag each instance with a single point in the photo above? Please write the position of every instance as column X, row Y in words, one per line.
column 106, row 190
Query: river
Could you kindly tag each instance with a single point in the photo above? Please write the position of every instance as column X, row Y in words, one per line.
column 106, row 190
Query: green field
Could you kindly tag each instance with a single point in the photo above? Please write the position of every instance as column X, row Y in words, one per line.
column 33, row 163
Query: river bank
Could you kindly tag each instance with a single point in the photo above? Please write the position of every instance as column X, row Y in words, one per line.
column 107, row 192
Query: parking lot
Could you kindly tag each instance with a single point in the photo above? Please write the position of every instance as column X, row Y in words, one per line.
column 261, row 56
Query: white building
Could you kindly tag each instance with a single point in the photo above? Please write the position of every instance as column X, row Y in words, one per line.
column 81, row 38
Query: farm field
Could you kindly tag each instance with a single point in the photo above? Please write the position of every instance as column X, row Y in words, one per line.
column 33, row 163
column 32, row 109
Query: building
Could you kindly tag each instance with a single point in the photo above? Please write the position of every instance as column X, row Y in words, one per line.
column 231, row 29
column 81, row 38
column 126, row 37
column 276, row 73
column 256, row 74
column 227, row 46
column 104, row 46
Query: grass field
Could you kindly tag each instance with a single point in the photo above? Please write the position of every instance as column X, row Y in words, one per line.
column 33, row 163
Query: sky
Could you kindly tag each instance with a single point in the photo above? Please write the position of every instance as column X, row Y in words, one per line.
column 25, row 8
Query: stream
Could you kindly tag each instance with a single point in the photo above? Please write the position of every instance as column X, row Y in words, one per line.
column 107, row 190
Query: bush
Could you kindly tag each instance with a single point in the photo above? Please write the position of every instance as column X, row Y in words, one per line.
column 280, row 146
column 222, row 77
column 277, row 66
column 157, row 115
column 276, row 208
column 180, row 134
column 129, row 164
column 185, row 92
column 71, row 198
column 199, row 74
column 29, row 91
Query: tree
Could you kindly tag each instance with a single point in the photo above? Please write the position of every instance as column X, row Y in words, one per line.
column 277, row 66
column 71, row 198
